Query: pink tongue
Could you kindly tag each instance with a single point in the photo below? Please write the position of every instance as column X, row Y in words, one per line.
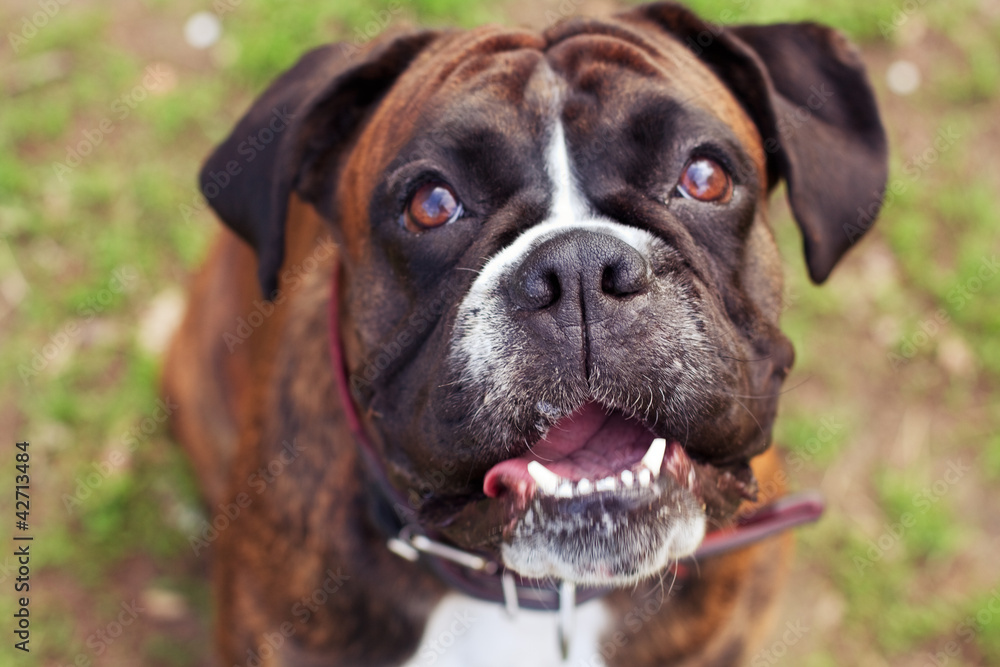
column 590, row 444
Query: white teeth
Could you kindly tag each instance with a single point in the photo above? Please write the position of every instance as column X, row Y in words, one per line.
column 606, row 484
column 691, row 479
column 546, row 480
column 551, row 484
column 653, row 458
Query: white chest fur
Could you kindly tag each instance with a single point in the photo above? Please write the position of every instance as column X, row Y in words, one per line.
column 464, row 632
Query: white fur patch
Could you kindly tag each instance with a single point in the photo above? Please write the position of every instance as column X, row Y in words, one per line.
column 482, row 319
column 464, row 632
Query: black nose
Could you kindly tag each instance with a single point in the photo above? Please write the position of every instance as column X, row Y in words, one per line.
column 580, row 274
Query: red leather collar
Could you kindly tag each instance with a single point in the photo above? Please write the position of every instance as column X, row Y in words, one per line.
column 486, row 580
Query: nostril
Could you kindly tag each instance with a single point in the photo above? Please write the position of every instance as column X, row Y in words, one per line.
column 542, row 289
column 608, row 282
column 624, row 277
column 538, row 289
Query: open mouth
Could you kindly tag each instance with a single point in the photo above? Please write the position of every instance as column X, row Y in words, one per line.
column 601, row 499
column 591, row 451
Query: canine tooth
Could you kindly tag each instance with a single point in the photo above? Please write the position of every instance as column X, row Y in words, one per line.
column 583, row 487
column 546, row 480
column 645, row 477
column 653, row 458
column 565, row 489
column 691, row 479
column 605, row 484
column 627, row 477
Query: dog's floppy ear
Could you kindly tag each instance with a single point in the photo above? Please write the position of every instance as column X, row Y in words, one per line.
column 805, row 88
column 293, row 131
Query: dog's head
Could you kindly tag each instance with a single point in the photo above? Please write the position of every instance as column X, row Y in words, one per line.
column 560, row 291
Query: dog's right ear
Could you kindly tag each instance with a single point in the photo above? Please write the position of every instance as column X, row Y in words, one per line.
column 295, row 127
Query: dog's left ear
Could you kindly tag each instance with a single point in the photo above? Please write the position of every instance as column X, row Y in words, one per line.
column 805, row 87
column 292, row 135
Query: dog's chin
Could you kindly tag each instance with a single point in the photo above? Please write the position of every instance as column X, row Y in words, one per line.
column 614, row 537
column 601, row 500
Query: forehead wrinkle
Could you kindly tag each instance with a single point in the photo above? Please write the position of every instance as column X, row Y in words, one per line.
column 488, row 64
column 667, row 60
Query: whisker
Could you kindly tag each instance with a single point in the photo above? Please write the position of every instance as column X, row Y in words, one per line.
column 783, row 391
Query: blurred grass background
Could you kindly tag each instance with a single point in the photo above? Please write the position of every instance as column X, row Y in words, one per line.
column 892, row 409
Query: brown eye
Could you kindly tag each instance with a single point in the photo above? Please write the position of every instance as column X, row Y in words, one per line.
column 432, row 205
column 706, row 180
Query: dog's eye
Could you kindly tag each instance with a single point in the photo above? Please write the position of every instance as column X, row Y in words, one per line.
column 706, row 180
column 433, row 205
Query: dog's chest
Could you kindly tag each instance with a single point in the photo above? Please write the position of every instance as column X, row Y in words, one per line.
column 464, row 632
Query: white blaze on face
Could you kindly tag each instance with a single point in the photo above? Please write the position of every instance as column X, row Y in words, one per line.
column 483, row 321
column 488, row 349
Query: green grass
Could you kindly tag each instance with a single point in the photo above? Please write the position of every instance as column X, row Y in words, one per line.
column 120, row 209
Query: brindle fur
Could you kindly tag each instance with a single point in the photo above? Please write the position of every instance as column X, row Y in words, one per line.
column 240, row 409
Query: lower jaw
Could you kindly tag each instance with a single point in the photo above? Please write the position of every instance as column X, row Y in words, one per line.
column 480, row 523
column 606, row 540
column 604, row 537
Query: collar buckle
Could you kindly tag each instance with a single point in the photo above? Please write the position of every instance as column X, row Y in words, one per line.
column 410, row 543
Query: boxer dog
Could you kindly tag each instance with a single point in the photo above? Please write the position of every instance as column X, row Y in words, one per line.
column 489, row 350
